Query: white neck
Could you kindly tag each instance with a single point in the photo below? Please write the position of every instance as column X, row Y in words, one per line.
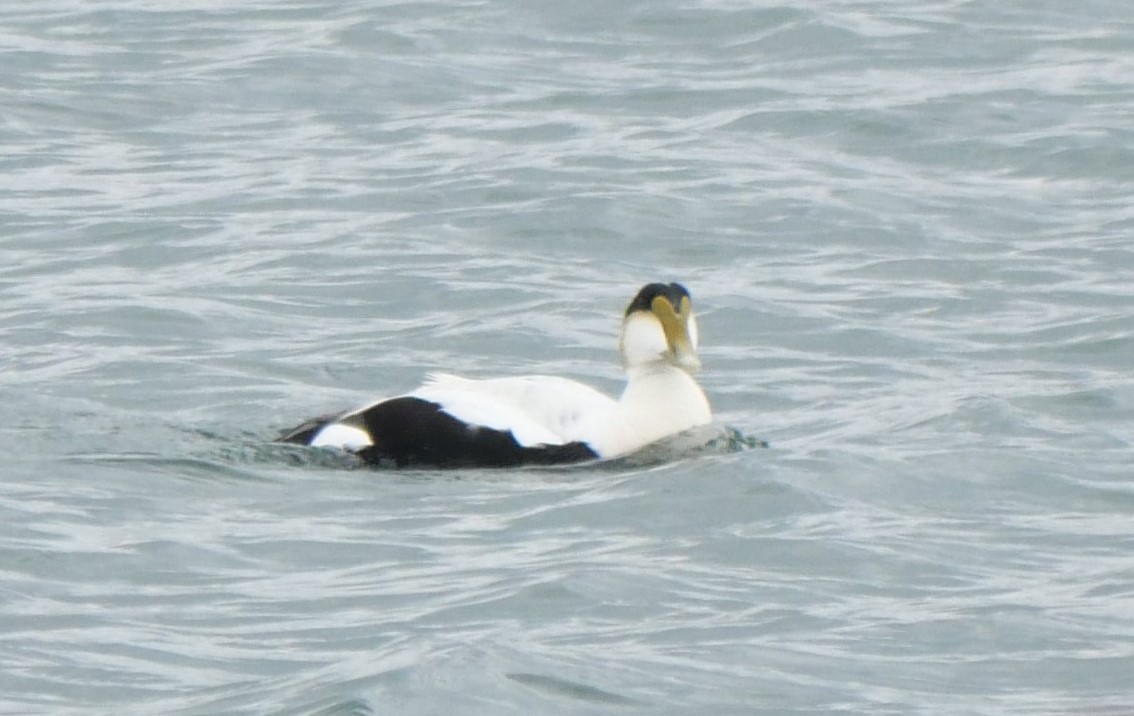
column 659, row 400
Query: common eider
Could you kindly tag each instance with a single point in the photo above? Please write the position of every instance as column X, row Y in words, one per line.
column 538, row 420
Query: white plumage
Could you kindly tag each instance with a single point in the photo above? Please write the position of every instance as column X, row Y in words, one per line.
column 538, row 409
column 541, row 414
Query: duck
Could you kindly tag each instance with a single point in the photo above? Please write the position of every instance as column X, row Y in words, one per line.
column 456, row 422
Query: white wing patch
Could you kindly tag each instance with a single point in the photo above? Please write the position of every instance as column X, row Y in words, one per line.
column 538, row 410
column 341, row 436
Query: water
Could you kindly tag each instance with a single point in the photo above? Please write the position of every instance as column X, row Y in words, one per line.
column 907, row 229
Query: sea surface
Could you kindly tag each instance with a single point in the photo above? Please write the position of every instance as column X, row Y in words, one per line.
column 908, row 229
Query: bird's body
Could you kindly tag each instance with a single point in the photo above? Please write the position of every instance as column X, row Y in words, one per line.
column 453, row 422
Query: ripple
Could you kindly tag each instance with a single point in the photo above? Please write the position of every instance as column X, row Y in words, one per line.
column 907, row 231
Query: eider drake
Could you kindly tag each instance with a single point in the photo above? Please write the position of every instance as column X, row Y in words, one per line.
column 538, row 420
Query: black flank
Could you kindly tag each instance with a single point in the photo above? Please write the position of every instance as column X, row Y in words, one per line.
column 409, row 431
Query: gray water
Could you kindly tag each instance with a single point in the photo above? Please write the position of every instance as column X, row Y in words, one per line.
column 907, row 228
